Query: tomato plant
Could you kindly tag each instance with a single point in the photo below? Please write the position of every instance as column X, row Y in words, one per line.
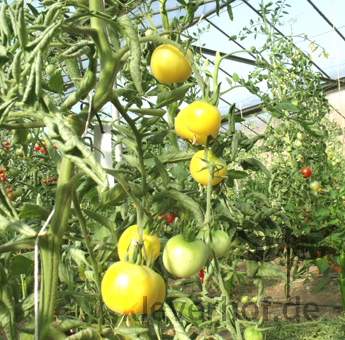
column 184, row 258
column 199, row 171
column 306, row 172
column 168, row 64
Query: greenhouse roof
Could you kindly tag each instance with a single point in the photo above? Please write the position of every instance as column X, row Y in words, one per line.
column 318, row 20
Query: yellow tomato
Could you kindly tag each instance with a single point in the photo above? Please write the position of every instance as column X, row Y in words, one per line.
column 184, row 132
column 202, row 119
column 130, row 237
column 129, row 288
column 197, row 163
column 169, row 66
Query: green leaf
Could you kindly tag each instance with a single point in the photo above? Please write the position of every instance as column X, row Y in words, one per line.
column 235, row 174
column 186, row 308
column 322, row 211
column 322, row 264
column 319, row 287
column 255, row 165
column 289, row 207
column 31, row 210
column 165, row 98
column 17, row 226
column 180, row 172
column 313, row 129
column 104, row 221
column 185, row 201
column 66, row 275
column 162, row 171
column 235, row 78
column 252, row 268
column 132, row 333
column 77, row 255
column 287, row 106
column 270, row 270
column 56, row 82
column 229, row 9
column 20, row 264
column 85, row 334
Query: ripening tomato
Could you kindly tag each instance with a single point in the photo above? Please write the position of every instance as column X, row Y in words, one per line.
column 170, row 218
column 184, row 258
column 169, row 66
column 315, row 185
column 220, row 242
column 201, row 118
column 5, row 143
column 10, row 195
column 251, row 333
column 306, row 172
column 36, row 147
column 130, row 237
column 184, row 132
column 197, row 163
column 126, row 286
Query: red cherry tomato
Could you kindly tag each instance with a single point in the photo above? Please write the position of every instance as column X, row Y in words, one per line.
column 169, row 217
column 201, row 275
column 42, row 151
column 6, row 143
column 7, row 149
column 36, row 147
column 306, row 172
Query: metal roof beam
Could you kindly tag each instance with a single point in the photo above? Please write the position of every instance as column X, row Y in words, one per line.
column 326, row 19
column 276, row 29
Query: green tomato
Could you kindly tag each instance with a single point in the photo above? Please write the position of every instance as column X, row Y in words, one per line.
column 220, row 242
column 301, row 136
column 315, row 185
column 19, row 152
column 244, row 299
column 18, row 192
column 254, row 299
column 184, row 259
column 14, row 172
column 149, row 32
column 251, row 333
column 50, row 69
column 297, row 143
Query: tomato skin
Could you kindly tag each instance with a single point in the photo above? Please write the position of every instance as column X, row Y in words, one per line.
column 18, row 192
column 244, row 299
column 184, row 132
column 10, row 195
column 169, row 66
column 202, row 177
column 306, row 172
column 301, row 136
column 252, row 334
column 131, row 236
column 220, row 242
column 254, row 299
column 315, row 185
column 125, row 285
column 36, row 147
column 14, row 172
column 201, row 118
column 184, row 259
column 149, row 32
column 50, row 69
column 170, row 218
column 297, row 143
column 201, row 275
